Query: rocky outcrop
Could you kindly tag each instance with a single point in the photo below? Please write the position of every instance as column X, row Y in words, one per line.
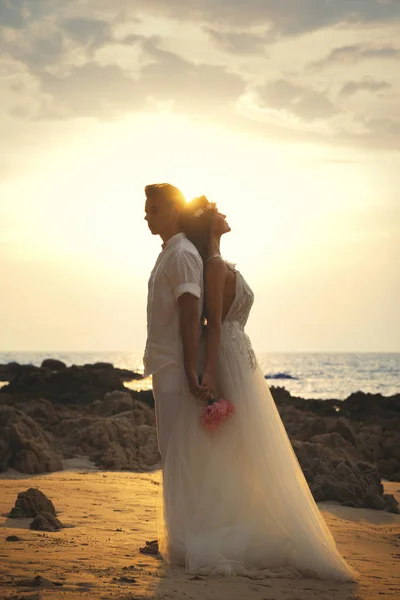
column 58, row 383
column 368, row 426
column 122, row 440
column 117, row 432
column 53, row 412
column 24, row 445
column 355, row 484
column 31, row 503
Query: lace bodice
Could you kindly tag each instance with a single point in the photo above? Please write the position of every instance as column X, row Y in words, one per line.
column 236, row 319
column 244, row 298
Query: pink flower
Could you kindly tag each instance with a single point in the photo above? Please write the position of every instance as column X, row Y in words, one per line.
column 216, row 412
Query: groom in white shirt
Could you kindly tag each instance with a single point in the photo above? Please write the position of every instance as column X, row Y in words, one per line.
column 174, row 306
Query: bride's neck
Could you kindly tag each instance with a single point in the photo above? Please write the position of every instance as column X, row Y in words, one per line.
column 215, row 246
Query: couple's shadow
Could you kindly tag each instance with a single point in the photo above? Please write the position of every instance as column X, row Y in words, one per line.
column 174, row 582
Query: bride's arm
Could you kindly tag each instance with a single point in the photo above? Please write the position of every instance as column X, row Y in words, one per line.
column 214, row 294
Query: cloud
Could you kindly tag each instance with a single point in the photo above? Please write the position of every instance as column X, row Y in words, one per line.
column 368, row 85
column 106, row 91
column 286, row 17
column 17, row 14
column 238, row 42
column 92, row 33
column 355, row 53
column 90, row 90
column 200, row 86
column 95, row 58
column 384, row 130
column 44, row 46
column 132, row 39
column 305, row 103
column 11, row 13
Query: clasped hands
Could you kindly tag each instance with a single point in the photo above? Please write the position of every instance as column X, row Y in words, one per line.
column 203, row 390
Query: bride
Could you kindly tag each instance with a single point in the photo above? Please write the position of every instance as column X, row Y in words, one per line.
column 235, row 500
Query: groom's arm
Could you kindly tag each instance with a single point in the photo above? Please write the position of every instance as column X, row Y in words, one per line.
column 186, row 277
column 190, row 332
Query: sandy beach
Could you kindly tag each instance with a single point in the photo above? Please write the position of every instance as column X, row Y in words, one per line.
column 109, row 515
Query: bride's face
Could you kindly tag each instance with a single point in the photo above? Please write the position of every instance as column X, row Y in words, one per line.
column 220, row 224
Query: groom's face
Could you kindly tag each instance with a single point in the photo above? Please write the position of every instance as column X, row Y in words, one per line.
column 159, row 214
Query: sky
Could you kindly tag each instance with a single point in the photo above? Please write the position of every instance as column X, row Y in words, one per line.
column 287, row 114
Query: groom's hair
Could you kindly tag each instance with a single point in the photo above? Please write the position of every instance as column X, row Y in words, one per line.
column 166, row 192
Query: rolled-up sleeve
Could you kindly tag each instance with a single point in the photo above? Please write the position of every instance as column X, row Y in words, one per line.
column 185, row 272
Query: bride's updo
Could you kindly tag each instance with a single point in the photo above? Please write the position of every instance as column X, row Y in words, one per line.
column 196, row 223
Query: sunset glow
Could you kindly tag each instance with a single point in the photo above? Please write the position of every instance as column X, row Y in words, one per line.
column 292, row 133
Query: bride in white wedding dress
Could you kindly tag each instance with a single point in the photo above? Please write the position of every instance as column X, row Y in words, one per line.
column 235, row 500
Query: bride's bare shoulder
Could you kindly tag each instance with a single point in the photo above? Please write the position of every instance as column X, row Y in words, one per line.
column 216, row 267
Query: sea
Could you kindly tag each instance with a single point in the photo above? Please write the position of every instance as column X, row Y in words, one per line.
column 318, row 375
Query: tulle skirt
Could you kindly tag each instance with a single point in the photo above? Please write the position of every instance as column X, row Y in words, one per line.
column 234, row 501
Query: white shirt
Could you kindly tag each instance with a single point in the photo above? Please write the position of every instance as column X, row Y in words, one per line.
column 178, row 269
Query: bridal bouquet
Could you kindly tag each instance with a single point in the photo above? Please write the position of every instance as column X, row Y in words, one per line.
column 216, row 412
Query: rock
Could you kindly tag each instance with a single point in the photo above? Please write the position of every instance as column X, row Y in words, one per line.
column 13, row 538
column 369, row 441
column 391, row 448
column 373, row 500
column 46, row 521
column 145, row 396
column 96, row 407
column 6, row 398
column 345, row 429
column 313, row 426
column 345, row 473
column 391, row 503
column 116, row 402
column 40, row 410
column 53, row 365
column 123, row 374
column 5, row 455
column 31, row 503
column 124, row 579
column 69, row 385
column 127, row 440
column 370, row 407
column 330, row 478
column 11, row 370
column 389, row 469
column 38, row 581
column 24, row 444
column 342, row 449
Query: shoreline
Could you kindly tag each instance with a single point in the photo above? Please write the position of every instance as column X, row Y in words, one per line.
column 323, row 375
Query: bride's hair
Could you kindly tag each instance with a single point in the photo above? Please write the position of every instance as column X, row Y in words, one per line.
column 196, row 223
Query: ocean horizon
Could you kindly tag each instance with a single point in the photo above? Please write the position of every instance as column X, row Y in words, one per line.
column 314, row 375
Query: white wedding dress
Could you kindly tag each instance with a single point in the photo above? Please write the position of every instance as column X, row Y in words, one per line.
column 234, row 501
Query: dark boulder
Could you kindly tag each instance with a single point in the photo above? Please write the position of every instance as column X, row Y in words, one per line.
column 24, row 445
column 67, row 385
column 53, row 364
column 330, row 477
column 46, row 521
column 31, row 503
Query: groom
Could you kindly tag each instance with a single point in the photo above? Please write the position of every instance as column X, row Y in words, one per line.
column 174, row 306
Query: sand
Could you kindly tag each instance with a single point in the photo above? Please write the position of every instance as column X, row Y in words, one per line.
column 111, row 514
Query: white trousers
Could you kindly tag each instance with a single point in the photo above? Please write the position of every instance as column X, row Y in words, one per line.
column 169, row 389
